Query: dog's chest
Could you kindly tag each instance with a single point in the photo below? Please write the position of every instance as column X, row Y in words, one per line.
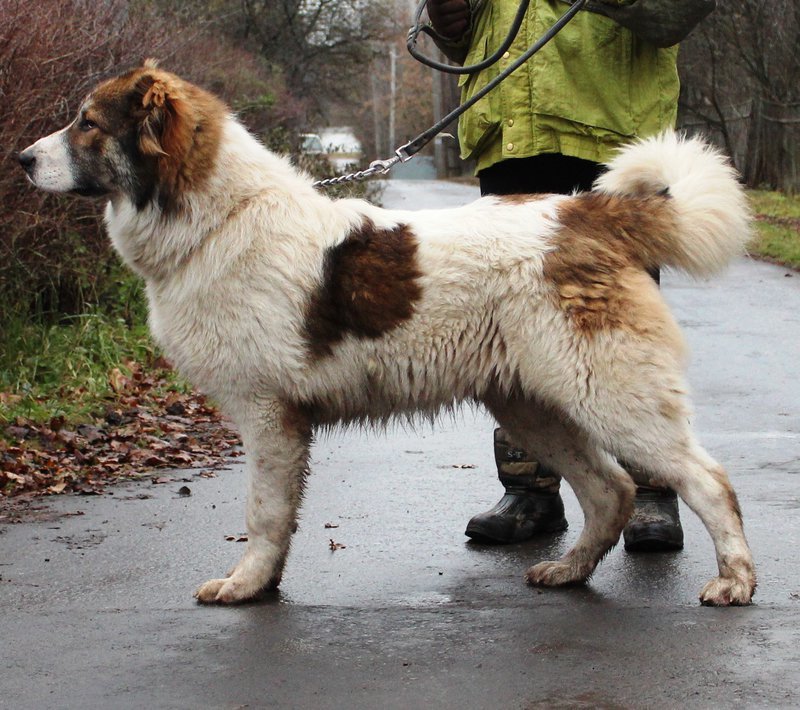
column 222, row 343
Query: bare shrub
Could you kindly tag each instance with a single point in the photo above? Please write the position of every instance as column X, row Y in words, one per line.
column 740, row 75
column 53, row 255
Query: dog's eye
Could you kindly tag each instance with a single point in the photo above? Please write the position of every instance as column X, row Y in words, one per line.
column 86, row 125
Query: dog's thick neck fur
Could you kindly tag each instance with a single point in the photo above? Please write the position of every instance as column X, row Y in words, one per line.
column 244, row 172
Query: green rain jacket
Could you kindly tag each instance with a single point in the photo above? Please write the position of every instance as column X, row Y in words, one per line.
column 592, row 87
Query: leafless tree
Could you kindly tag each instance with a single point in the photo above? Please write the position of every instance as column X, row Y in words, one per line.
column 741, row 81
column 323, row 47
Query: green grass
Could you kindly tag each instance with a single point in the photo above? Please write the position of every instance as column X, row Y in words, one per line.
column 777, row 227
column 62, row 370
column 777, row 204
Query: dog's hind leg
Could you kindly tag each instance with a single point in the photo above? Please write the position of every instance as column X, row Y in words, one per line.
column 604, row 490
column 709, row 493
column 605, row 493
column 651, row 432
column 704, row 485
column 277, row 439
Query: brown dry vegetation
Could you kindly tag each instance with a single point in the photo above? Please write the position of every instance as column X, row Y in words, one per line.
column 53, row 256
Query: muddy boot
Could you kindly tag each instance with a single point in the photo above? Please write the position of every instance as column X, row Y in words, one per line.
column 655, row 525
column 531, row 505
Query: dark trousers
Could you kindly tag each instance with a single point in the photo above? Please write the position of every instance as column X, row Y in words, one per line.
column 547, row 173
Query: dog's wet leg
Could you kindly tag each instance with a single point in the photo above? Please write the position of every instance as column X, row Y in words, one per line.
column 704, row 485
column 665, row 449
column 604, row 490
column 716, row 503
column 606, row 493
column 277, row 443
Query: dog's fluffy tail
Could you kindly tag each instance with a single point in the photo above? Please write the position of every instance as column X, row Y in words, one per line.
column 712, row 211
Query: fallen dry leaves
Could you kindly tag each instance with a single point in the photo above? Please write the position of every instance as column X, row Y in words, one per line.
column 145, row 427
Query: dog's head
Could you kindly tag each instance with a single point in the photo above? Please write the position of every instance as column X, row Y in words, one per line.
column 146, row 135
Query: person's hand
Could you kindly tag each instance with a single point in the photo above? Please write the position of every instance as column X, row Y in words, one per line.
column 450, row 18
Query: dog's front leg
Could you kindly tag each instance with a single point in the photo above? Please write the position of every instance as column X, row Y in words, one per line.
column 277, row 439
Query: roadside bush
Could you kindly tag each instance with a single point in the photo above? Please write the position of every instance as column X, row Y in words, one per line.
column 52, row 255
column 54, row 258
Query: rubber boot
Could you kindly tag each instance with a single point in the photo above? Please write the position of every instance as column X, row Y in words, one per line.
column 531, row 505
column 655, row 525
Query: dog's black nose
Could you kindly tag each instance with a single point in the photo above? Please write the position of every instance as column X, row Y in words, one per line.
column 27, row 160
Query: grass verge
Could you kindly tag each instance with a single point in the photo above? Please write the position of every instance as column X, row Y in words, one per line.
column 89, row 401
column 777, row 227
column 67, row 370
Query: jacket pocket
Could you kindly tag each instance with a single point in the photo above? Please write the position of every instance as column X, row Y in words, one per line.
column 585, row 76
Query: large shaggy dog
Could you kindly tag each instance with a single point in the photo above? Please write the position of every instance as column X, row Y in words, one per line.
column 296, row 311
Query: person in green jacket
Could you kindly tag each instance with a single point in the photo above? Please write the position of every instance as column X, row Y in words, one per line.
column 548, row 128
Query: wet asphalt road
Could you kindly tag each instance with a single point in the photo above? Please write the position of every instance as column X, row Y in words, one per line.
column 97, row 609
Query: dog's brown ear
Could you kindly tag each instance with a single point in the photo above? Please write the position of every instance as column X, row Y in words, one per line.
column 155, row 106
column 179, row 126
column 167, row 127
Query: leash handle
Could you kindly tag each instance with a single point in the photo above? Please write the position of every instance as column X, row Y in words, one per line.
column 421, row 27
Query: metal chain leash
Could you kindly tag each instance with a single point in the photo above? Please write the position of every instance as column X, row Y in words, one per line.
column 376, row 167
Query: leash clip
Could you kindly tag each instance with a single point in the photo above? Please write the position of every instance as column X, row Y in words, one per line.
column 402, row 153
column 383, row 166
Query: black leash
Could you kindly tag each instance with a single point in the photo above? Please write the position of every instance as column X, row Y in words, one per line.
column 407, row 151
column 422, row 28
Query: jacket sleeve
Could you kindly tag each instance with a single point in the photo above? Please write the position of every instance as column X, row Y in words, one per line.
column 456, row 50
column 663, row 23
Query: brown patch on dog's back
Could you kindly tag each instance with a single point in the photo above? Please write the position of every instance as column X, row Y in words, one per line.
column 603, row 248
column 369, row 286
column 520, row 198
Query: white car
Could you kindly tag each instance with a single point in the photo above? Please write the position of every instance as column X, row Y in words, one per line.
column 342, row 147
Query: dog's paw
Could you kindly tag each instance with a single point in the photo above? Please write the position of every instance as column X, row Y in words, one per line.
column 207, row 593
column 554, row 574
column 232, row 590
column 727, row 591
